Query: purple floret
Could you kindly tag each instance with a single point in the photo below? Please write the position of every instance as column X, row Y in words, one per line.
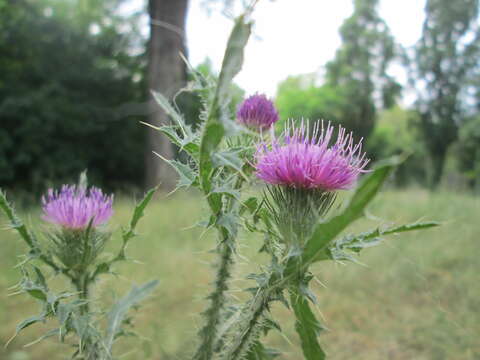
column 74, row 207
column 300, row 161
column 257, row 112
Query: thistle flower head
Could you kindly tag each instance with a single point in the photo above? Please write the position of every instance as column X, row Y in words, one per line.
column 310, row 162
column 257, row 112
column 73, row 207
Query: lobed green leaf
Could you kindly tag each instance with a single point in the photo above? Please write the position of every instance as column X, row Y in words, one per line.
column 358, row 242
column 214, row 129
column 326, row 232
column 307, row 327
column 259, row 352
column 119, row 310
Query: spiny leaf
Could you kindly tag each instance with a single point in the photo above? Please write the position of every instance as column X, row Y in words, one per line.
column 233, row 58
column 326, row 232
column 229, row 222
column 140, row 208
column 120, row 309
column 127, row 235
column 227, row 190
column 370, row 238
column 259, row 352
column 214, row 130
column 307, row 327
column 16, row 223
column 170, row 111
column 410, row 227
column 189, row 144
column 230, row 158
column 26, row 323
column 188, row 176
column 48, row 334
column 251, row 204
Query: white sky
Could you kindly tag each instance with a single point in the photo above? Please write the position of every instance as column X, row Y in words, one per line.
column 291, row 36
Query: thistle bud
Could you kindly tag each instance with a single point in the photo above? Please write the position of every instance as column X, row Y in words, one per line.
column 257, row 112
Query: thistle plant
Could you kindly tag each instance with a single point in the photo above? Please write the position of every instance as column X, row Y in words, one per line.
column 297, row 214
column 72, row 247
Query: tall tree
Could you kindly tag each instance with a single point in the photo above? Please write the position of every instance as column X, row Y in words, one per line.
column 166, row 74
column 359, row 70
column 444, row 56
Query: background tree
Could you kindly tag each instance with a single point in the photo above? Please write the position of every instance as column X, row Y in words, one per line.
column 359, row 70
column 469, row 151
column 299, row 97
column 443, row 58
column 61, row 87
column 396, row 132
column 167, row 75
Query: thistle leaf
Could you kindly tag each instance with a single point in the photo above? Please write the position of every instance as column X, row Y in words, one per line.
column 188, row 176
column 307, row 327
column 26, row 323
column 230, row 158
column 16, row 223
column 356, row 243
column 189, row 143
column 214, row 129
column 127, row 235
column 233, row 58
column 259, row 352
column 138, row 213
column 48, row 334
column 119, row 310
column 326, row 232
column 172, row 113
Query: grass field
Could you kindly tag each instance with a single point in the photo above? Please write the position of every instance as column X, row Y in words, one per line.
column 417, row 296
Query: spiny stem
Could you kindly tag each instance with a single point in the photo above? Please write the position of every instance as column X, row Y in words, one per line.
column 226, row 250
column 217, row 302
column 247, row 329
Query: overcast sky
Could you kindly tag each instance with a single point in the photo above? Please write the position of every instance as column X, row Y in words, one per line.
column 290, row 36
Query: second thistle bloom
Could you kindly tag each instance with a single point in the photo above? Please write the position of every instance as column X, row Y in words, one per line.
column 257, row 112
column 301, row 161
column 74, row 207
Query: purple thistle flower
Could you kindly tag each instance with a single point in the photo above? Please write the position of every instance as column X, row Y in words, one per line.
column 74, row 207
column 257, row 112
column 300, row 161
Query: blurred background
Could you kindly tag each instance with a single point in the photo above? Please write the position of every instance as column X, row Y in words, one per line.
column 75, row 77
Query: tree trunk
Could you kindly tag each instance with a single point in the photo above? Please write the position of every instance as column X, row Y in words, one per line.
column 437, row 165
column 166, row 74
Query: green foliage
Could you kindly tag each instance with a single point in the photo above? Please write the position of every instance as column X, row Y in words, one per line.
column 359, row 70
column 116, row 316
column 444, row 57
column 396, row 132
column 307, row 326
column 61, row 91
column 299, row 97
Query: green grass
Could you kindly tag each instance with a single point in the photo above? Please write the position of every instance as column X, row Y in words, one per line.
column 417, row 297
